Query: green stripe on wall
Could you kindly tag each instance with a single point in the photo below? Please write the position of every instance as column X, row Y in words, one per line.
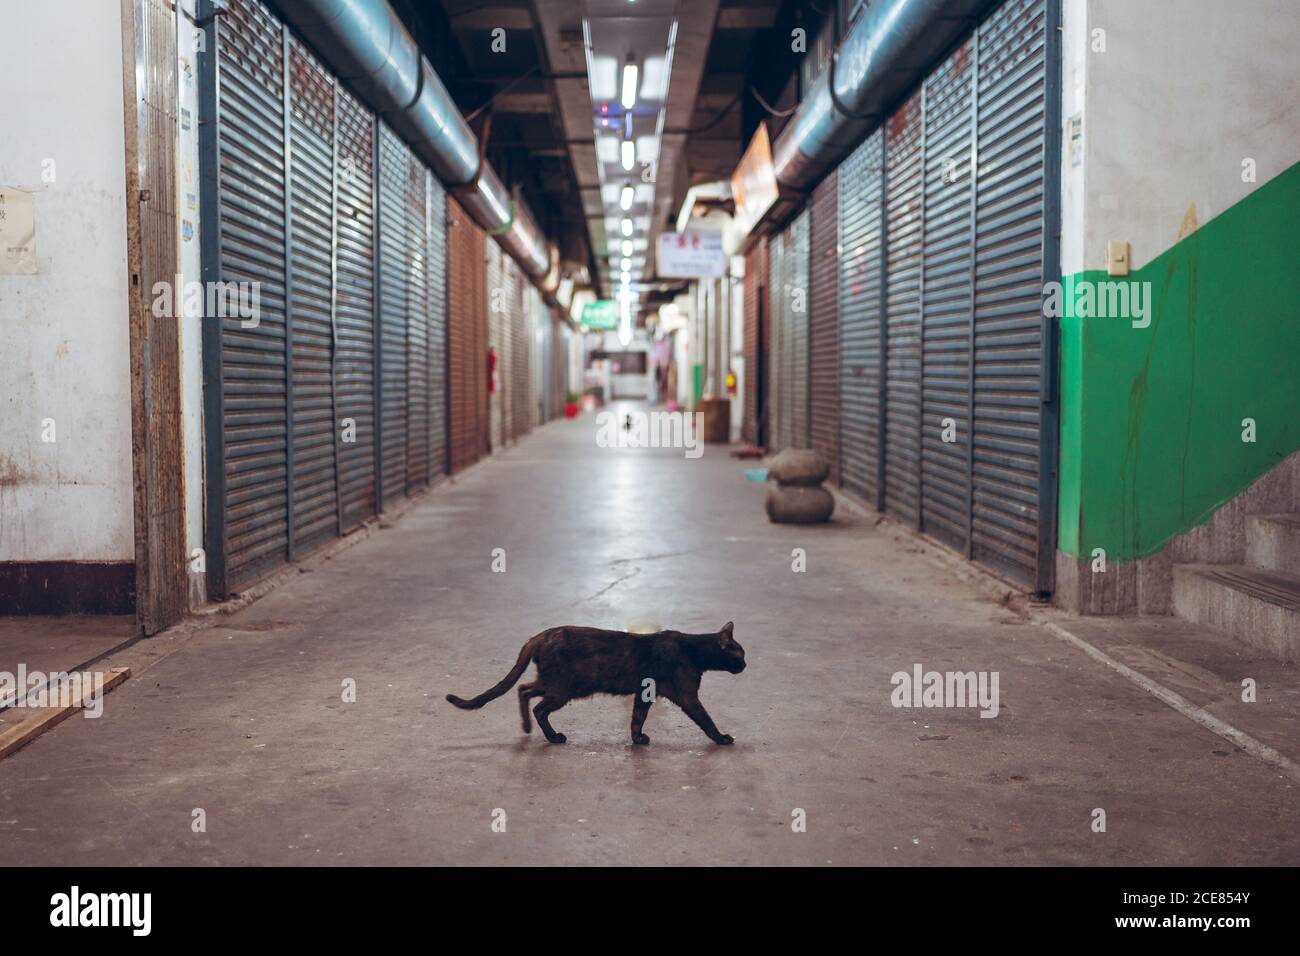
column 1151, row 433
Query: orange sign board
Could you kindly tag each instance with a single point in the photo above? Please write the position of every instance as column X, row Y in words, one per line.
column 753, row 184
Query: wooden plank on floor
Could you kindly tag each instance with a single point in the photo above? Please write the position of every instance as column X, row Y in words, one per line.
column 40, row 719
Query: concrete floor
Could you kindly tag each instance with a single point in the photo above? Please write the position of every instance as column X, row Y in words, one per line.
column 245, row 719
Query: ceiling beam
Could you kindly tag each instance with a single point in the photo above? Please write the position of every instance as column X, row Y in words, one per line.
column 747, row 18
column 490, row 18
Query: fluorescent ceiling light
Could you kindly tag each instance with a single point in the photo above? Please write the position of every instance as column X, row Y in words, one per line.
column 630, row 75
column 627, row 227
column 627, row 247
column 604, row 78
column 607, row 149
column 628, row 153
column 626, row 196
column 647, row 148
column 654, row 85
column 626, row 263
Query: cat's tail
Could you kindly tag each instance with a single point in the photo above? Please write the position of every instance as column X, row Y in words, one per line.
column 496, row 690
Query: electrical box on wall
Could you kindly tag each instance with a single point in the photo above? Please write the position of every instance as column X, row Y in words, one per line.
column 1117, row 257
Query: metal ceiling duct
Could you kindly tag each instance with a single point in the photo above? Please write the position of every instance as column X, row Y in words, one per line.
column 367, row 45
column 882, row 58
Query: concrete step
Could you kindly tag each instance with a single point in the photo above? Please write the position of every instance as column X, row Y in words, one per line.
column 1257, row 606
column 1273, row 542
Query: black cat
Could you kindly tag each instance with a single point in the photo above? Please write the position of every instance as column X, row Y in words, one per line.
column 575, row 662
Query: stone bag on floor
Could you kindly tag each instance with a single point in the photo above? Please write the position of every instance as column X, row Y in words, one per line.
column 799, row 497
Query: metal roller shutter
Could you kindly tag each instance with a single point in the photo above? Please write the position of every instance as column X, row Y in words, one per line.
column 776, row 351
column 521, row 416
column 394, row 159
column 538, row 339
column 559, row 364
column 1011, row 532
column 823, row 331
column 354, row 358
column 467, row 339
column 311, row 296
column 417, row 327
column 795, row 337
column 436, row 299
column 947, row 293
column 754, row 291
column 860, row 312
column 966, row 253
column 252, row 380
column 496, row 325
column 903, row 302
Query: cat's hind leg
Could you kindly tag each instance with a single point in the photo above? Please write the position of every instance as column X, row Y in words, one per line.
column 545, row 707
column 526, row 693
column 640, row 709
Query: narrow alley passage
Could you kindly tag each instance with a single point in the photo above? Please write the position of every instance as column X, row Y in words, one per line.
column 246, row 721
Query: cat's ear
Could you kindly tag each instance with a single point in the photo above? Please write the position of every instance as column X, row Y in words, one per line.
column 726, row 631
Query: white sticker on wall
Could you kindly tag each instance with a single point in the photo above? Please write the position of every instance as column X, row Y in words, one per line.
column 1076, row 140
column 17, row 232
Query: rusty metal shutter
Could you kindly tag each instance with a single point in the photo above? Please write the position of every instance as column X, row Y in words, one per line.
column 467, row 339
column 417, row 327
column 436, row 300
column 1013, row 526
column 354, row 359
column 903, row 302
column 823, row 331
column 252, row 380
column 860, row 312
column 947, row 294
column 394, row 260
column 311, row 295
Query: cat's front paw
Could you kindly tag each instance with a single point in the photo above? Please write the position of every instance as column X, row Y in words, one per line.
column 557, row 739
column 640, row 739
column 725, row 740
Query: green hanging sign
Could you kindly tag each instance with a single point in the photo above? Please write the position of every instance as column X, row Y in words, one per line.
column 602, row 315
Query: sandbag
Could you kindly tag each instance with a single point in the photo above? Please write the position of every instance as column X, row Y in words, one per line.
column 799, row 504
column 798, row 466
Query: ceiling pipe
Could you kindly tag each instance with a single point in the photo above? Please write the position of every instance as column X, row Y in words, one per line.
column 883, row 57
column 370, row 49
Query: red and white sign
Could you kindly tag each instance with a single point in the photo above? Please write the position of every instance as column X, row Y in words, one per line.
column 691, row 255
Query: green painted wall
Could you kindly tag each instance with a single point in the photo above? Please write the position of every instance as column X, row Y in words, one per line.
column 1151, row 433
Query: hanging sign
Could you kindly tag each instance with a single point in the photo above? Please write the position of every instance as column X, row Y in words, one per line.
column 690, row 255
column 753, row 185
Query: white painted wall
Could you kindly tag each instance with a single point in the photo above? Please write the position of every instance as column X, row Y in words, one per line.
column 1181, row 95
column 65, row 343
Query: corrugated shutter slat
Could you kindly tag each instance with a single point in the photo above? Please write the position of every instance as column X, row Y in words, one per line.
column 254, row 384
column 904, row 210
column 823, row 332
column 861, row 244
